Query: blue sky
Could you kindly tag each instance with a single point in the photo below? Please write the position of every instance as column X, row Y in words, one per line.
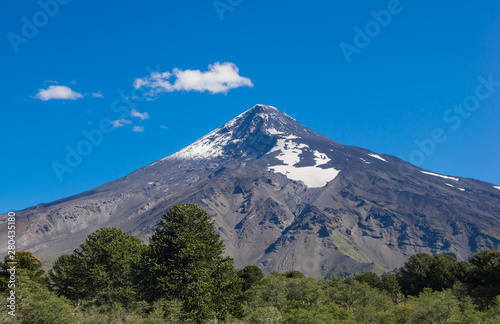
column 386, row 89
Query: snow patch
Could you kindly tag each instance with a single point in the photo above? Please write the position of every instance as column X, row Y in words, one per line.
column 440, row 175
column 461, row 189
column 212, row 144
column 273, row 131
column 364, row 161
column 377, row 157
column 290, row 151
column 311, row 176
column 496, row 187
column 209, row 146
column 320, row 158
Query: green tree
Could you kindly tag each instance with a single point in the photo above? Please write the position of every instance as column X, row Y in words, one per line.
column 436, row 307
column 22, row 260
column 484, row 277
column 463, row 271
column 100, row 269
column 270, row 292
column 346, row 293
column 294, row 274
column 250, row 275
column 486, row 268
column 35, row 303
column 412, row 277
column 442, row 272
column 359, row 298
column 390, row 285
column 370, row 278
column 277, row 299
column 265, row 315
column 302, row 293
column 438, row 273
column 184, row 261
column 321, row 314
column 25, row 260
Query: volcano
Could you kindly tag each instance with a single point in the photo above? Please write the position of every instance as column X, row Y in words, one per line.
column 284, row 197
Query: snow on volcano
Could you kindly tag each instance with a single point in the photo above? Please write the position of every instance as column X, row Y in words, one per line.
column 289, row 154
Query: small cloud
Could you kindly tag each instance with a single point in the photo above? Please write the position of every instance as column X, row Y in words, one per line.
column 73, row 82
column 97, row 94
column 51, row 81
column 138, row 129
column 120, row 123
column 220, row 78
column 57, row 92
column 163, row 127
column 142, row 116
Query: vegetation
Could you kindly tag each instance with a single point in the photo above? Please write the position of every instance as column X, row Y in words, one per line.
column 100, row 271
column 182, row 276
column 184, row 261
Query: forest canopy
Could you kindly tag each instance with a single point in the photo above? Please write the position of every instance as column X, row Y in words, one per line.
column 182, row 276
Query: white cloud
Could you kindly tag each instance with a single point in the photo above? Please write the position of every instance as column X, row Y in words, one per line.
column 142, row 116
column 138, row 129
column 220, row 78
column 120, row 123
column 97, row 94
column 163, row 127
column 57, row 92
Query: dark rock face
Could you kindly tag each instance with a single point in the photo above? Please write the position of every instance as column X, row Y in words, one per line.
column 284, row 197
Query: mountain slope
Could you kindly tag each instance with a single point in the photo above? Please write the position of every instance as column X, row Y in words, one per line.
column 284, row 197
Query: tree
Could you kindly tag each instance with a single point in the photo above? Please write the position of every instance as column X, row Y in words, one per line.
column 250, row 275
column 320, row 314
column 64, row 277
column 390, row 285
column 442, row 272
column 100, row 269
column 302, row 292
column 270, row 292
column 486, row 268
column 294, row 274
column 484, row 277
column 184, row 261
column 34, row 302
column 412, row 277
column 436, row 307
column 23, row 260
column 267, row 314
column 370, row 278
